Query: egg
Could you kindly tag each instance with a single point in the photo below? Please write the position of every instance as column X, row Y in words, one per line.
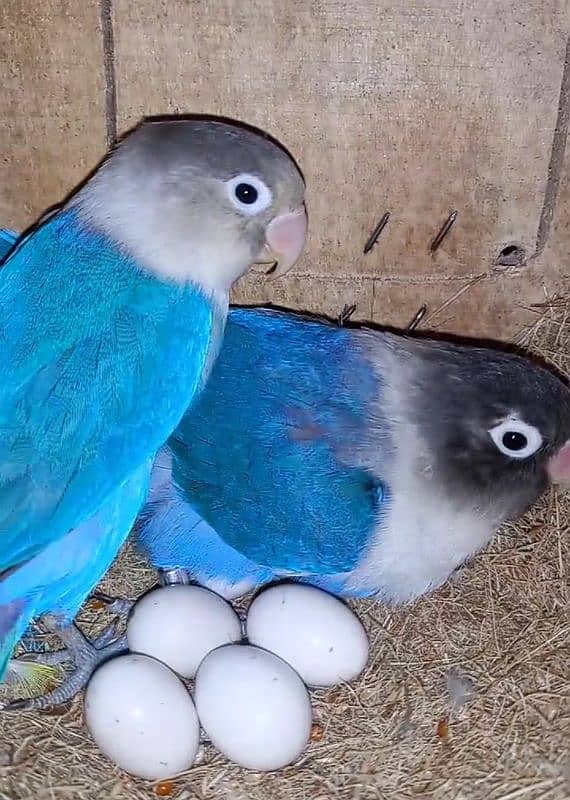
column 141, row 716
column 313, row 631
column 253, row 706
column 179, row 625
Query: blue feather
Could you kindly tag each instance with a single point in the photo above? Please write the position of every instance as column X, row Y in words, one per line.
column 175, row 535
column 268, row 494
column 81, row 400
column 7, row 241
column 55, row 580
column 83, row 407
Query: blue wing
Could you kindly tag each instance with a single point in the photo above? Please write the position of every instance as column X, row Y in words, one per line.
column 82, row 402
column 58, row 579
column 172, row 534
column 259, row 456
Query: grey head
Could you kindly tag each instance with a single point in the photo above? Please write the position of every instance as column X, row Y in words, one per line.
column 496, row 424
column 199, row 199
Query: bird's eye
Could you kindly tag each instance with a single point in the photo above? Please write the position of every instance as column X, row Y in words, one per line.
column 248, row 194
column 515, row 438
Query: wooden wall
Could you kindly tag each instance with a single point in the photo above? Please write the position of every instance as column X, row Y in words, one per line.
column 416, row 108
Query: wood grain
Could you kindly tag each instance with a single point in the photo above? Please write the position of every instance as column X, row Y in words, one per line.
column 418, row 108
column 309, row 293
column 52, row 121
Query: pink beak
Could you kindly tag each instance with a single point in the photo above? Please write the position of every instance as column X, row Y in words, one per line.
column 559, row 466
column 285, row 239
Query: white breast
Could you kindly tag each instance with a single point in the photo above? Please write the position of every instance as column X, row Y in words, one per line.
column 425, row 534
column 420, row 542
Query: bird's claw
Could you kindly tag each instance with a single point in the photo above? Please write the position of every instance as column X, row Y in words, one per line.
column 120, row 606
column 14, row 705
column 56, row 657
column 85, row 654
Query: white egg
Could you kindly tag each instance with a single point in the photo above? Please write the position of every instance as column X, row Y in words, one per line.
column 141, row 716
column 310, row 629
column 179, row 625
column 253, row 706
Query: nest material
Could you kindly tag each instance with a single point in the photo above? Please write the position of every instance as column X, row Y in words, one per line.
column 466, row 695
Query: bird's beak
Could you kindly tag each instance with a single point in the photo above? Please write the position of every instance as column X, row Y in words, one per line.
column 285, row 239
column 559, row 466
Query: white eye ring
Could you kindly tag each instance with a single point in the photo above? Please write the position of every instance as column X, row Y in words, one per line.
column 512, row 425
column 248, row 194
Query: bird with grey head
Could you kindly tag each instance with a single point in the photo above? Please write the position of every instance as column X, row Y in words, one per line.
column 200, row 200
column 112, row 311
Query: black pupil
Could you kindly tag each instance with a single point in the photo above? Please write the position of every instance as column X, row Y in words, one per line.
column 246, row 193
column 513, row 440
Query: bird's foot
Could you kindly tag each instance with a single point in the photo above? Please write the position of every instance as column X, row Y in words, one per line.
column 120, row 606
column 174, row 577
column 32, row 671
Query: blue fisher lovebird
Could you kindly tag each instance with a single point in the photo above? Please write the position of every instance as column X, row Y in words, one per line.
column 360, row 461
column 112, row 310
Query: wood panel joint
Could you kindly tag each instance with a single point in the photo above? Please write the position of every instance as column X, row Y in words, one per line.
column 556, row 162
column 108, row 43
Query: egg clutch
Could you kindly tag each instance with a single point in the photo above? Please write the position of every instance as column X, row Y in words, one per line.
column 250, row 694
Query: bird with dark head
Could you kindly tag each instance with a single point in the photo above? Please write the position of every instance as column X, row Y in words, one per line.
column 361, row 461
column 492, row 422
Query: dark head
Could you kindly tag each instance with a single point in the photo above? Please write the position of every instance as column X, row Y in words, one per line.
column 200, row 199
column 497, row 424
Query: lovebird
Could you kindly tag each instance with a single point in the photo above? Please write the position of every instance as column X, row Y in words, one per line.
column 112, row 311
column 361, row 461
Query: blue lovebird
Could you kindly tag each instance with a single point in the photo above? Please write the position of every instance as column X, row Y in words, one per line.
column 112, row 310
column 360, row 461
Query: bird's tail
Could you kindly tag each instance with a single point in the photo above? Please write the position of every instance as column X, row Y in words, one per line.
column 25, row 678
column 15, row 618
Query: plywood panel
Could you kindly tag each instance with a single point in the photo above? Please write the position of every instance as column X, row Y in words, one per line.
column 555, row 258
column 494, row 308
column 495, row 303
column 506, row 301
column 419, row 108
column 483, row 306
column 52, row 120
column 328, row 296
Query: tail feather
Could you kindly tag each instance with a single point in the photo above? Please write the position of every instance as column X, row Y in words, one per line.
column 19, row 676
column 15, row 618
column 26, row 679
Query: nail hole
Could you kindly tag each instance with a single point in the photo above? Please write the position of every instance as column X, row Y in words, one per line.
column 512, row 255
